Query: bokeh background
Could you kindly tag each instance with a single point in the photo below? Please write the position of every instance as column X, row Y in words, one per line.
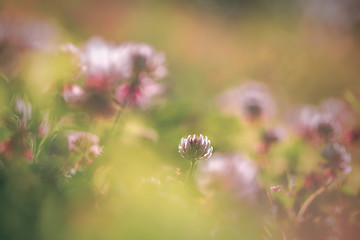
column 304, row 50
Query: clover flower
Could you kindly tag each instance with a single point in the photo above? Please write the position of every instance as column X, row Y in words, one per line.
column 122, row 74
column 85, row 144
column 143, row 61
column 138, row 95
column 255, row 101
column 338, row 159
column 251, row 101
column 195, row 148
column 325, row 126
column 233, row 174
column 144, row 66
column 100, row 62
column 326, row 122
column 339, row 110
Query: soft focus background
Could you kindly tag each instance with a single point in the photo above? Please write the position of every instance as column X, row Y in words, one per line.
column 305, row 51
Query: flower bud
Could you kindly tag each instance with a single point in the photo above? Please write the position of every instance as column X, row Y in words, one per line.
column 195, row 148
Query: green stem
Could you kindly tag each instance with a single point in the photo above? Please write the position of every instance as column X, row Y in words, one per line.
column 193, row 164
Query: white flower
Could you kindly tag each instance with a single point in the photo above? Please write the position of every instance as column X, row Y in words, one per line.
column 194, row 147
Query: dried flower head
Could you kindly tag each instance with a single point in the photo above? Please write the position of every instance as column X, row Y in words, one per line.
column 338, row 159
column 195, row 148
column 233, row 174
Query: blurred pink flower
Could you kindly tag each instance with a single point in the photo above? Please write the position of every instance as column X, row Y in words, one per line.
column 255, row 101
column 338, row 158
column 341, row 113
column 16, row 147
column 301, row 121
column 124, row 74
column 325, row 126
column 100, row 62
column 79, row 141
column 327, row 122
column 143, row 61
column 138, row 95
column 26, row 33
column 251, row 100
column 86, row 144
column 352, row 136
column 233, row 174
column 73, row 94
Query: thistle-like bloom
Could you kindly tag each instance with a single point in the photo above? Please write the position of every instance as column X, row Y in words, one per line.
column 338, row 158
column 232, row 174
column 195, row 148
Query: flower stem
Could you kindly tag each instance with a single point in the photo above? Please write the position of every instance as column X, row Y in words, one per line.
column 193, row 165
column 309, row 200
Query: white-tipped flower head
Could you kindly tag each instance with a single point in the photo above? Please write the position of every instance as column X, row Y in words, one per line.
column 195, row 148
